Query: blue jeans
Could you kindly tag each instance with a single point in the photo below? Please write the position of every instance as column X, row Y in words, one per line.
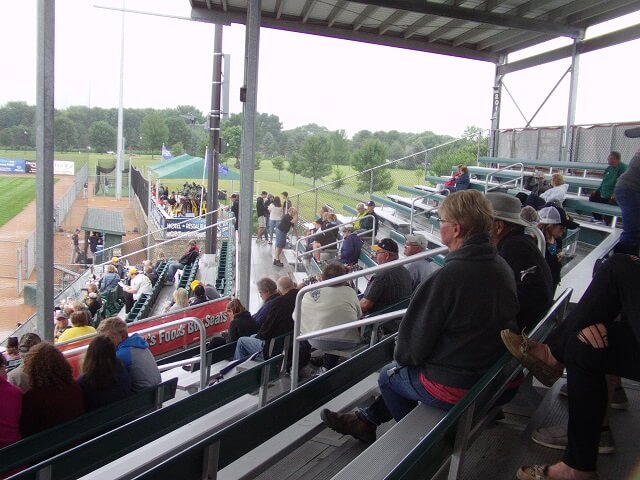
column 401, row 391
column 629, row 201
column 172, row 269
column 247, row 346
column 271, row 227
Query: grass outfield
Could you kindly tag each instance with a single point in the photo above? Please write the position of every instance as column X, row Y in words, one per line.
column 266, row 178
column 15, row 194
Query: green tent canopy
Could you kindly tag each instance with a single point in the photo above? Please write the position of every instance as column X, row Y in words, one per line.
column 173, row 161
column 191, row 168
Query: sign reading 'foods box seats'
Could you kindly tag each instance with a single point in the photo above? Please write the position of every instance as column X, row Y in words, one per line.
column 165, row 341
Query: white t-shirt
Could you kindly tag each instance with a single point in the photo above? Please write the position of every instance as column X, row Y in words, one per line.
column 555, row 194
column 142, row 285
column 275, row 213
column 328, row 307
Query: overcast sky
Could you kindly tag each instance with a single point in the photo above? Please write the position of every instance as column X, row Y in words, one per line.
column 302, row 79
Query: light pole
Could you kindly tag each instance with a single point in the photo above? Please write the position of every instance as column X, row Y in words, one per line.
column 26, row 142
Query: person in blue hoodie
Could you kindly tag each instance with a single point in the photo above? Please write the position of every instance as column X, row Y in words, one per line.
column 133, row 351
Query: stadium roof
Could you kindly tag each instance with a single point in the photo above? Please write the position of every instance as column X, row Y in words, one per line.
column 477, row 29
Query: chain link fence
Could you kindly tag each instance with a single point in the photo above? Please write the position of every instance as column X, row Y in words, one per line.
column 386, row 179
column 587, row 143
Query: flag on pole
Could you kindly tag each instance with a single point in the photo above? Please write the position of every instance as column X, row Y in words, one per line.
column 166, row 154
column 222, row 169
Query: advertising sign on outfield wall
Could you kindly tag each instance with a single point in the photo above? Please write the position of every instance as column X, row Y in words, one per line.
column 11, row 165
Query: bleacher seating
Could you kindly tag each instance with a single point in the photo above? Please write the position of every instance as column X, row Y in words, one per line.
column 116, row 443
column 36, row 448
column 551, row 165
column 424, row 440
column 143, row 306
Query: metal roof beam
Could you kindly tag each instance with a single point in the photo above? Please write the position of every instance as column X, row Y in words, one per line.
column 306, row 11
column 417, row 25
column 334, row 12
column 519, row 11
column 603, row 41
column 295, row 25
column 391, row 21
column 364, row 16
column 479, row 16
column 603, row 12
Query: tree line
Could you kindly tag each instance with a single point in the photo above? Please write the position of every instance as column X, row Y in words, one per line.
column 310, row 150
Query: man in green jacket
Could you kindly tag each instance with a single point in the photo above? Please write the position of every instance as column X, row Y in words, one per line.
column 604, row 193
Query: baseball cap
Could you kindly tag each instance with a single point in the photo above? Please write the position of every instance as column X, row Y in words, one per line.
column 556, row 215
column 27, row 341
column 632, row 132
column 371, row 203
column 417, row 239
column 194, row 284
column 115, row 259
column 385, row 244
column 133, row 271
column 506, row 208
column 61, row 314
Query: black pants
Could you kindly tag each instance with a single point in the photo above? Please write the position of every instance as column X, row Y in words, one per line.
column 596, row 198
column 612, row 293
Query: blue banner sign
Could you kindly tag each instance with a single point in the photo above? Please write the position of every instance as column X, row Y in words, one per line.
column 9, row 165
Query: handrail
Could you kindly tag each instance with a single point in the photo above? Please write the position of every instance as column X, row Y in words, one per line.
column 355, row 324
column 491, row 174
column 393, row 162
column 437, row 433
column 337, row 242
column 413, row 202
column 337, row 227
column 204, row 374
column 190, row 219
column 341, row 279
column 187, row 234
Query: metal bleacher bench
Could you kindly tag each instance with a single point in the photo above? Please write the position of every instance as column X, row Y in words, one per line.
column 389, row 215
column 247, row 446
column 420, row 444
column 586, row 166
column 50, row 442
column 115, row 445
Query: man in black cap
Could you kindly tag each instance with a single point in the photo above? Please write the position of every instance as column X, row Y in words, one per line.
column 530, row 270
column 388, row 287
column 370, row 220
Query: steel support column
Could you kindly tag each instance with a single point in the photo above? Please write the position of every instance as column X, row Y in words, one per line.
column 44, row 158
column 248, row 156
column 567, row 138
column 213, row 152
column 495, row 108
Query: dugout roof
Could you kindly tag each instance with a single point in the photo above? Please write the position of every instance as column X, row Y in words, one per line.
column 477, row 29
column 109, row 222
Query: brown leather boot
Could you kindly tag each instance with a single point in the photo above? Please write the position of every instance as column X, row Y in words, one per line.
column 349, row 424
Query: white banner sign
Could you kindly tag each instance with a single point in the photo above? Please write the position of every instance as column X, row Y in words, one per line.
column 64, row 168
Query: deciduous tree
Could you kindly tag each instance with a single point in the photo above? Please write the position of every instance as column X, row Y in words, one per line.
column 316, row 157
column 154, row 132
column 102, row 137
column 372, row 154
